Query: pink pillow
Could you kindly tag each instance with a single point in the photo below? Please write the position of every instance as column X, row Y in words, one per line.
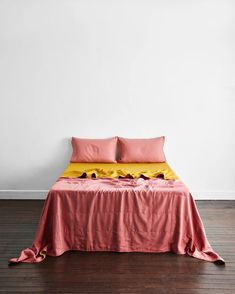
column 142, row 150
column 94, row 150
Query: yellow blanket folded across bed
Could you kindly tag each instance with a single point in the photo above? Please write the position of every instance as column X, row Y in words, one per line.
column 116, row 170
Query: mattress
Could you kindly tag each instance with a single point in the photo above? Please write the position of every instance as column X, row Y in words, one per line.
column 120, row 208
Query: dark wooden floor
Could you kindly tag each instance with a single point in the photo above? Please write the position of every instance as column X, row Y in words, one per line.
column 77, row 272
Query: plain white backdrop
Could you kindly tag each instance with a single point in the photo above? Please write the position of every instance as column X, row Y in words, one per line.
column 130, row 68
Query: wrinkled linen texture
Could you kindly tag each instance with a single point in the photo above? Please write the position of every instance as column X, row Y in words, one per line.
column 122, row 215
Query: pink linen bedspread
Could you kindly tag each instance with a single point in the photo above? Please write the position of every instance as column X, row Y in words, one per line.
column 122, row 215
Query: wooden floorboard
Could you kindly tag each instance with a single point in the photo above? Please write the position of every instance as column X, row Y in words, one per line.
column 105, row 272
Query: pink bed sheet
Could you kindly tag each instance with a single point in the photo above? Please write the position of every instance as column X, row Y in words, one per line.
column 122, row 215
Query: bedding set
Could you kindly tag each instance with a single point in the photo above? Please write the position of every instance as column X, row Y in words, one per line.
column 135, row 204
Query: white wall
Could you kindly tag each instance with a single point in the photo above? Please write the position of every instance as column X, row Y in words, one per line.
column 129, row 68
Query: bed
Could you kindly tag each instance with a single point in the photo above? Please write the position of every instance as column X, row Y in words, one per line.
column 121, row 207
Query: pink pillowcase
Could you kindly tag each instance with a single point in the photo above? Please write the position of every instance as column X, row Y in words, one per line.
column 142, row 150
column 94, row 150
